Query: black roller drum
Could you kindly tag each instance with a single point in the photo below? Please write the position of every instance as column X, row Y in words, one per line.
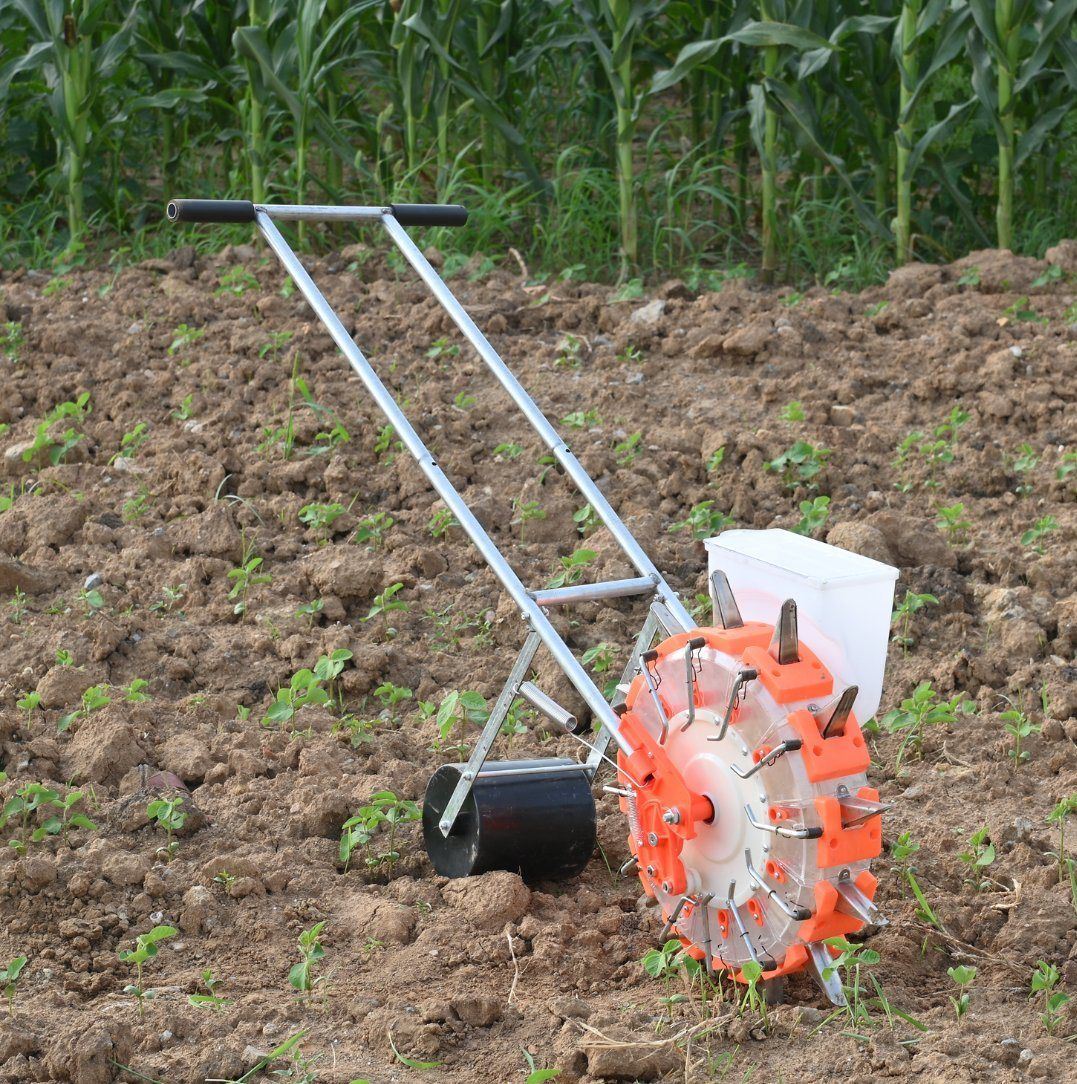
column 541, row 826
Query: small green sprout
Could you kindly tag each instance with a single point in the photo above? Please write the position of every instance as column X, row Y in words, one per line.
column 210, row 999
column 572, row 567
column 184, row 412
column 626, row 451
column 703, row 520
column 9, row 979
column 18, row 605
column 919, row 712
column 464, row 400
column 183, row 337
column 145, row 949
column 383, row 809
column 962, row 976
column 302, row 976
column 952, row 522
column 130, row 443
column 321, row 517
column 1024, row 464
column 29, row 703
column 441, row 522
column 792, row 412
column 979, row 855
column 310, row 610
column 1040, row 530
column 901, row 618
column 508, row 450
column 1019, row 727
column 1044, row 980
column 168, row 815
column 244, row 577
column 372, row 530
column 443, row 348
column 586, row 520
column 799, row 464
column 278, row 340
column 135, row 693
column 236, row 281
column 813, row 515
column 582, row 419
column 385, row 604
column 716, row 459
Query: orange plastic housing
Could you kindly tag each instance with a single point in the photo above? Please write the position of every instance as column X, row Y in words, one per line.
column 829, row 758
column 841, row 846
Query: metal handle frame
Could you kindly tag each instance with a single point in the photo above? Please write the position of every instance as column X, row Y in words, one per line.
column 532, row 610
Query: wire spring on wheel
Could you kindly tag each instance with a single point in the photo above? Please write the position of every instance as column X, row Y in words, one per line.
column 633, row 818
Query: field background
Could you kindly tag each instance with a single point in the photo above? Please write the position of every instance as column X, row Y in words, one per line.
column 762, row 265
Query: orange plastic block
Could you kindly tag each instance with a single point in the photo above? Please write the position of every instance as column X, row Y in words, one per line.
column 829, row 758
column 795, row 680
column 841, row 846
column 828, row 921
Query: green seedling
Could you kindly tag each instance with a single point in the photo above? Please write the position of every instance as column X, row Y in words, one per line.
column 386, row 445
column 962, row 976
column 384, row 811
column 9, row 979
column 716, row 459
column 170, row 598
column 952, row 522
column 134, row 508
column 979, row 856
column 18, row 606
column 145, row 949
column 56, row 285
column 1019, row 727
column 93, row 699
column 526, row 511
column 600, row 659
column 455, row 712
column 917, row 714
column 359, row 731
column 183, row 337
column 704, row 520
column 582, row 419
column 813, row 515
column 12, row 340
column 970, row 277
column 441, row 522
column 1067, row 464
column 310, row 611
column 243, row 578
column 1053, row 273
column 627, row 450
column 1035, row 535
column 586, row 520
column 878, row 307
column 304, row 690
column 135, row 693
column 507, row 451
column 303, row 975
column 443, row 348
column 235, row 281
column 210, row 999
column 64, row 657
column 130, row 443
column 1067, row 867
column 1044, row 980
column 850, row 962
column 385, row 604
column 572, row 568
column 792, row 412
column 547, row 463
column 1024, row 464
column 464, row 400
column 372, row 530
column 225, row 880
column 1022, row 312
column 799, row 464
column 631, row 290
column 901, row 618
column 330, row 439
column 390, row 695
column 184, row 412
column 29, row 703
column 168, row 815
column 57, row 447
column 321, row 517
column 278, row 340
column 91, row 600
column 570, row 353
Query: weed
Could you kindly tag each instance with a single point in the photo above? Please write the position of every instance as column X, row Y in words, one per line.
column 464, row 400
column 183, row 337
column 210, row 999
column 630, row 355
column 626, row 451
column 716, row 459
column 385, row 445
column 321, row 517
column 9, row 979
column 441, row 522
column 130, row 443
column 1066, row 466
column 1024, row 464
column 508, row 450
column 134, row 508
column 569, row 355
column 443, row 348
column 792, row 412
column 1019, row 727
column 145, row 949
column 919, row 712
column 244, row 577
column 303, row 976
column 384, row 810
column 962, row 976
column 813, row 515
column 235, row 281
column 1044, row 980
column 1022, row 312
column 372, row 530
column 1038, row 531
column 582, row 419
column 704, row 520
column 18, row 606
column 184, row 412
column 278, row 340
column 385, row 604
column 1052, row 274
column 952, row 522
column 12, row 340
column 901, row 618
column 851, row 959
column 970, row 277
column 799, row 464
column 167, row 815
column 572, row 567
column 310, row 610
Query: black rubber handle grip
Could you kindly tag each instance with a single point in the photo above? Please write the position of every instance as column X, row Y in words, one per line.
column 429, row 214
column 210, row 210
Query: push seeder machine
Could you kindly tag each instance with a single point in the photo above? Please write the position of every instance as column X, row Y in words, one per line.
column 740, row 761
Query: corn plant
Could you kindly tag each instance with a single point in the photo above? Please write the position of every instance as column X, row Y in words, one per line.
column 145, row 949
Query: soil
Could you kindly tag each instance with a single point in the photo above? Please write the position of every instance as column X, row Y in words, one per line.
column 482, row 974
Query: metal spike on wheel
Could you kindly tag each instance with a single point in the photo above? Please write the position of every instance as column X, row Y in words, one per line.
column 752, row 802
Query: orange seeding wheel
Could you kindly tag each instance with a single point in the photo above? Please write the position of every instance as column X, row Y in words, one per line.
column 750, row 818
